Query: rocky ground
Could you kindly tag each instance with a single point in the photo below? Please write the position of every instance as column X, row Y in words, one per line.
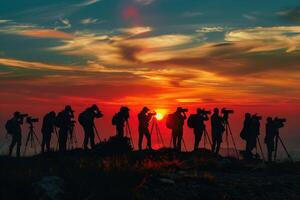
column 146, row 175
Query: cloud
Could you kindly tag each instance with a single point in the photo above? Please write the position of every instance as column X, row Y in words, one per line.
column 31, row 30
column 136, row 30
column 4, row 21
column 88, row 3
column 290, row 14
column 210, row 29
column 267, row 38
column 145, row 2
column 89, row 21
column 45, row 33
column 66, row 24
column 33, row 65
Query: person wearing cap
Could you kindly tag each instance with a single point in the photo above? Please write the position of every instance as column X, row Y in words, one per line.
column 86, row 120
column 144, row 119
column 64, row 122
column 177, row 131
column 16, row 132
column 119, row 120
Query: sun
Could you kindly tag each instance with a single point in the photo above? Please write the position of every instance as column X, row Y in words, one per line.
column 160, row 113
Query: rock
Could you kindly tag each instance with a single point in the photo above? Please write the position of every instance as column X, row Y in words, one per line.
column 49, row 188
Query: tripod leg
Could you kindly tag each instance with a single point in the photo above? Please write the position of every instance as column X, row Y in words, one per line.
column 129, row 131
column 26, row 144
column 209, row 140
column 284, row 147
column 237, row 153
column 184, row 144
column 97, row 133
column 204, row 140
column 276, row 147
column 261, row 150
column 161, row 138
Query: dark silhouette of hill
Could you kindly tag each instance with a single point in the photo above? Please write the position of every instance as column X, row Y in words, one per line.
column 161, row 174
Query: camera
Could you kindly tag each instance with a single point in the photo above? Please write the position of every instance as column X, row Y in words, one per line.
column 227, row 111
column 257, row 117
column 281, row 120
column 184, row 110
column 31, row 119
column 204, row 112
column 152, row 113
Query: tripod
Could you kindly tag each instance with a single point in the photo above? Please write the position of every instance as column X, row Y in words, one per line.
column 278, row 138
column 97, row 133
column 128, row 133
column 261, row 150
column 72, row 140
column 206, row 137
column 155, row 128
column 31, row 139
column 229, row 132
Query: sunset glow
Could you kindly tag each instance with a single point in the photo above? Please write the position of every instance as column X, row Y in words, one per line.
column 155, row 53
column 160, row 114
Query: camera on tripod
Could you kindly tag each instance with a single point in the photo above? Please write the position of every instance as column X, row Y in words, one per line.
column 257, row 117
column 31, row 119
column 227, row 111
column 279, row 122
column 203, row 111
column 152, row 113
column 183, row 110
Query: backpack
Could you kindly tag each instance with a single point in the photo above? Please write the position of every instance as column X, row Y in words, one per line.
column 170, row 121
column 243, row 134
column 114, row 120
column 82, row 118
column 9, row 126
column 191, row 121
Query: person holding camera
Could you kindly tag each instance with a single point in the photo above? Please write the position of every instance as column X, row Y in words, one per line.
column 197, row 122
column 64, row 122
column 272, row 135
column 248, row 135
column 86, row 120
column 13, row 128
column 217, row 130
column 119, row 120
column 177, row 130
column 47, row 130
column 144, row 118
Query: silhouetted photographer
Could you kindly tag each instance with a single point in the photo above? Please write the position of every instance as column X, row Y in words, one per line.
column 144, row 119
column 175, row 122
column 86, row 120
column 47, row 130
column 64, row 121
column 217, row 130
column 272, row 137
column 197, row 123
column 250, row 133
column 119, row 120
column 13, row 128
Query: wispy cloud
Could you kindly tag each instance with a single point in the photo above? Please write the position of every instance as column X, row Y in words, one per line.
column 145, row 2
column 210, row 29
column 89, row 21
column 65, row 24
column 88, row 3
